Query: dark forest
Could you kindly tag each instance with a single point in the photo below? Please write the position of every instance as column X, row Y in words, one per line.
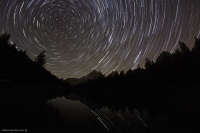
column 171, row 82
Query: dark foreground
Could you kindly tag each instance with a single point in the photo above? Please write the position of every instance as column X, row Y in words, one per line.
column 171, row 111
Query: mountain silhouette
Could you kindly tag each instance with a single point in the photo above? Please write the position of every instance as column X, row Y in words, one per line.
column 91, row 76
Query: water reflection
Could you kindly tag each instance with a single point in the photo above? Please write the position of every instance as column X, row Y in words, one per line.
column 79, row 117
column 130, row 113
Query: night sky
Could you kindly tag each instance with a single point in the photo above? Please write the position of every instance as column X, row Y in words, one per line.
column 106, row 35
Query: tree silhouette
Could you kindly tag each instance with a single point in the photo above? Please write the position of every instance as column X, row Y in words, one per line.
column 138, row 66
column 183, row 48
column 41, row 58
column 148, row 63
column 196, row 49
column 4, row 38
column 122, row 73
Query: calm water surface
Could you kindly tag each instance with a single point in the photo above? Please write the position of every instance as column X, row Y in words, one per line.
column 81, row 118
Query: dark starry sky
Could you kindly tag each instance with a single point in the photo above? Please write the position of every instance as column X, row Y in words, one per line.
column 106, row 35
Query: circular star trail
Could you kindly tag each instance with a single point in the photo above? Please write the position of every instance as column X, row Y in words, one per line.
column 79, row 36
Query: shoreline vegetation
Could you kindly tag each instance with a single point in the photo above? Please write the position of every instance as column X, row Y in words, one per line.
column 171, row 85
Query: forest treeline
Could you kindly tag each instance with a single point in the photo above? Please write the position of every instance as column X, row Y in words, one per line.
column 180, row 67
column 25, row 88
column 169, row 87
column 17, row 68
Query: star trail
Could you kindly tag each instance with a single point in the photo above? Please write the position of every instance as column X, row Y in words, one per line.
column 79, row 36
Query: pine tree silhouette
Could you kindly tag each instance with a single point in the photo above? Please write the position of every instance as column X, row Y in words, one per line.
column 41, row 59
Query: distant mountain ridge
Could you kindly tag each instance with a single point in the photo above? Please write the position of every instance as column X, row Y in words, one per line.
column 91, row 76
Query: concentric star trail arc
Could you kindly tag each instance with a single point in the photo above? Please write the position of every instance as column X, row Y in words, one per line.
column 81, row 35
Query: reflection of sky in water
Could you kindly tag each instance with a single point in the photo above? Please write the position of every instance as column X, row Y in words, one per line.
column 80, row 117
